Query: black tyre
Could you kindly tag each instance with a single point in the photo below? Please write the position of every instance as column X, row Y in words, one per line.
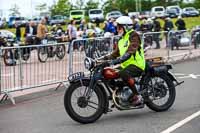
column 43, row 54
column 60, row 51
column 82, row 104
column 158, row 91
column 25, row 54
column 8, row 58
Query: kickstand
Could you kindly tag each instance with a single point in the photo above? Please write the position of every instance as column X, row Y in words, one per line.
column 6, row 96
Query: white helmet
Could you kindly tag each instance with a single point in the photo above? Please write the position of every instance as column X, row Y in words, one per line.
column 126, row 22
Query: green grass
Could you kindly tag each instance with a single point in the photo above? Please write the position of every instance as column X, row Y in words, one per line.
column 190, row 22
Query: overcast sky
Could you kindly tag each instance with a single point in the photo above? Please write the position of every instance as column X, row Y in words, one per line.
column 26, row 7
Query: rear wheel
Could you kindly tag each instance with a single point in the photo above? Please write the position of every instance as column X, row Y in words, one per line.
column 80, row 108
column 161, row 92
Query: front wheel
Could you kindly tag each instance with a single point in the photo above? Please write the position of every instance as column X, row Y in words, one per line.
column 161, row 92
column 80, row 108
column 60, row 52
column 43, row 54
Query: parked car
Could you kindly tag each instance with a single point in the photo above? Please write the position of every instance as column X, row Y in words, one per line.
column 144, row 15
column 134, row 14
column 96, row 15
column 113, row 14
column 36, row 20
column 177, row 9
column 158, row 12
column 190, row 12
column 78, row 15
column 57, row 19
column 172, row 13
column 19, row 20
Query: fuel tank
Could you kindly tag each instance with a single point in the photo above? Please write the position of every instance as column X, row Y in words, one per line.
column 110, row 73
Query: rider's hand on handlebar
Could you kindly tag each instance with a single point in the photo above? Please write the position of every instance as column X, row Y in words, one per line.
column 102, row 62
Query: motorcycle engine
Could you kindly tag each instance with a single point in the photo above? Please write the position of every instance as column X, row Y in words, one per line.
column 124, row 95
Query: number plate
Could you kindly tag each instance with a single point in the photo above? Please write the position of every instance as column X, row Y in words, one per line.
column 75, row 76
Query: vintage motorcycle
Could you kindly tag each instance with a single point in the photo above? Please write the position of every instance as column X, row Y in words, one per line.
column 88, row 96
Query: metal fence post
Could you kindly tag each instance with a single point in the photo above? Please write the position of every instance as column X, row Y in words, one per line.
column 20, row 66
column 0, row 69
column 168, row 45
column 70, row 47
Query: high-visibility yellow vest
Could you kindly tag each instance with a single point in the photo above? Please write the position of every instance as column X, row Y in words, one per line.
column 138, row 60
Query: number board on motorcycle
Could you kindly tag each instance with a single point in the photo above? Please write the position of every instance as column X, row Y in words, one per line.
column 75, row 76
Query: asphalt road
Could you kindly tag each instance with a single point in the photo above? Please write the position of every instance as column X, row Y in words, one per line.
column 44, row 112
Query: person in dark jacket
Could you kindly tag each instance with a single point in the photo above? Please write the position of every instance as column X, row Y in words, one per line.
column 180, row 24
column 168, row 26
column 30, row 31
column 156, row 28
column 18, row 31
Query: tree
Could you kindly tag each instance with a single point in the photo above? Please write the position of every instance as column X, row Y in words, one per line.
column 79, row 4
column 14, row 11
column 41, row 7
column 91, row 4
column 197, row 4
column 62, row 7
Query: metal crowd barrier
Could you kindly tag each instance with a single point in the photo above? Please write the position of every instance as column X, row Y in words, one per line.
column 22, row 74
column 82, row 48
column 179, row 44
column 154, row 44
column 36, row 72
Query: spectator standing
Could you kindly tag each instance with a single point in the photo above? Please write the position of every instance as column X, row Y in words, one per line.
column 18, row 32
column 110, row 27
column 41, row 30
column 156, row 28
column 144, row 26
column 136, row 25
column 72, row 33
column 180, row 24
column 150, row 25
column 168, row 26
column 83, row 25
column 30, row 30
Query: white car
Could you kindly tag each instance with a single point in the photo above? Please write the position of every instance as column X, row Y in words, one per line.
column 96, row 15
column 134, row 14
column 158, row 12
column 113, row 14
column 190, row 12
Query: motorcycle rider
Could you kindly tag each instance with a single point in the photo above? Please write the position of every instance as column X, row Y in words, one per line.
column 130, row 54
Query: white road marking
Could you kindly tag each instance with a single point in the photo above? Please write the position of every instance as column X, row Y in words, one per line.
column 181, row 123
column 179, row 74
column 190, row 76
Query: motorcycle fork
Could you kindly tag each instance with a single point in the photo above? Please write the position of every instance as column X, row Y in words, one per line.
column 88, row 92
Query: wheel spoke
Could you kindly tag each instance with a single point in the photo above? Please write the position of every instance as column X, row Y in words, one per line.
column 92, row 106
column 92, row 102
